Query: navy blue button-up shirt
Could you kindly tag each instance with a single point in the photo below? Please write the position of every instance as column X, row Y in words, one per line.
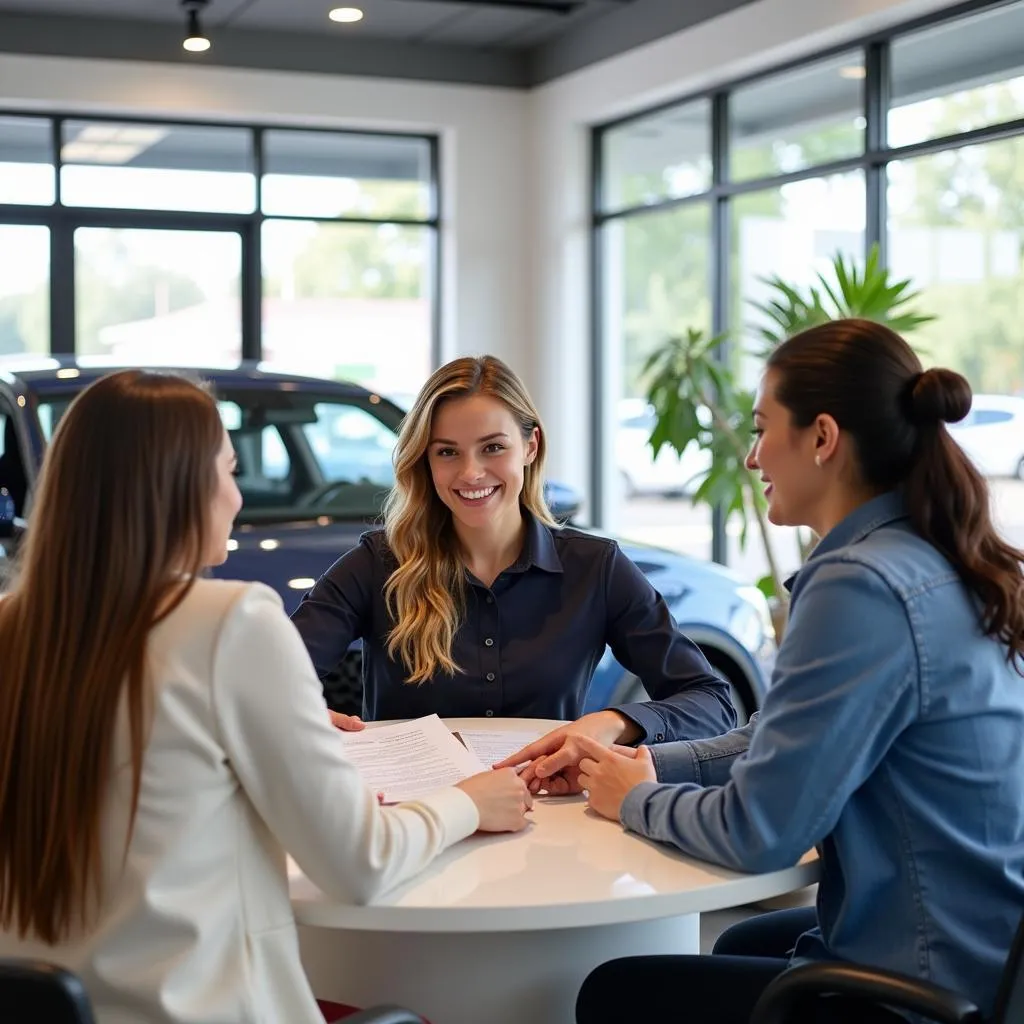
column 529, row 644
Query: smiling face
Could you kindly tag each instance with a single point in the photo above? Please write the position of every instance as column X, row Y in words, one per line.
column 784, row 455
column 227, row 500
column 477, row 457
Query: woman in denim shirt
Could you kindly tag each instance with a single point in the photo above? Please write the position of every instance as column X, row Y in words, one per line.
column 892, row 737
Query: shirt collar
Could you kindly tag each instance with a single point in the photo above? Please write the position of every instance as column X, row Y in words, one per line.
column 870, row 516
column 538, row 548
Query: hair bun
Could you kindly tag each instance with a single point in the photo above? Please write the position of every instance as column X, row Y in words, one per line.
column 939, row 395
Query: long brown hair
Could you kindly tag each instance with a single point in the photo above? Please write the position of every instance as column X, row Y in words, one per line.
column 119, row 528
column 426, row 593
column 871, row 382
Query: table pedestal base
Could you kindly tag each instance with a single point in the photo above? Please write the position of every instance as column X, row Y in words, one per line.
column 527, row 977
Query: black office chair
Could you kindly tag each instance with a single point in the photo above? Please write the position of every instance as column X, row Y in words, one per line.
column 32, row 992
column 783, row 999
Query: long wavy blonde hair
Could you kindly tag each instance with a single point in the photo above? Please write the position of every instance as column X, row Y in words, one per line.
column 426, row 593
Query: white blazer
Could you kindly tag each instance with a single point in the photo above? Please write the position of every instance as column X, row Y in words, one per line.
column 241, row 764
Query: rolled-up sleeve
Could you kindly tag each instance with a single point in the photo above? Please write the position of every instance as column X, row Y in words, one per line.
column 838, row 700
column 336, row 612
column 688, row 701
column 706, row 762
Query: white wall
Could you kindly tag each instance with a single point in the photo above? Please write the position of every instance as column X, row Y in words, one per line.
column 752, row 38
column 483, row 137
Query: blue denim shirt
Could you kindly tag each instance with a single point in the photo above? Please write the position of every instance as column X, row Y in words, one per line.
column 528, row 644
column 893, row 739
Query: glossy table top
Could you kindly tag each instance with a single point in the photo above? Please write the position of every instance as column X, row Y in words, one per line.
column 570, row 868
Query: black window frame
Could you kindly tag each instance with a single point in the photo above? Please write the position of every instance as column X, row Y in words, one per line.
column 876, row 49
column 63, row 220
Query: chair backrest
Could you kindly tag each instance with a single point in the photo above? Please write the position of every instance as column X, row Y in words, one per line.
column 32, row 992
column 1009, row 1005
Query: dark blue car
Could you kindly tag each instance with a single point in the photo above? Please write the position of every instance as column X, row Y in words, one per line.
column 314, row 465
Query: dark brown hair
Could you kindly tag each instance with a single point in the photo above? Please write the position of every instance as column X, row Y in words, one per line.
column 119, row 527
column 870, row 381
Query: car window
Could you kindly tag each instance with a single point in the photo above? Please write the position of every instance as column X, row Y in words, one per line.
column 986, row 417
column 305, row 455
column 300, row 454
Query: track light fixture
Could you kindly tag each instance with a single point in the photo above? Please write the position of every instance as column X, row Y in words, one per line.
column 195, row 40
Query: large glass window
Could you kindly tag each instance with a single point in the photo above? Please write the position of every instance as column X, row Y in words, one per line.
column 666, row 155
column 158, row 296
column 26, row 161
column 955, row 230
column 793, row 231
column 956, row 227
column 959, row 76
column 157, row 167
column 325, row 174
column 656, row 285
column 168, row 247
column 349, row 301
column 24, row 289
column 805, row 117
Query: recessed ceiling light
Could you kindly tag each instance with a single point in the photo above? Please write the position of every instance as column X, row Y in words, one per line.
column 346, row 14
column 853, row 71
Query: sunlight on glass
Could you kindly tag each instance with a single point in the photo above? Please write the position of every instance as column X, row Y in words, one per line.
column 348, row 301
column 24, row 289
column 158, row 296
column 666, row 155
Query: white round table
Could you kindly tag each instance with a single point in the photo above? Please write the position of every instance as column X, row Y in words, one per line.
column 502, row 929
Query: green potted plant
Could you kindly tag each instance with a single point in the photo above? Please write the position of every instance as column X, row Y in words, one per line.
column 698, row 399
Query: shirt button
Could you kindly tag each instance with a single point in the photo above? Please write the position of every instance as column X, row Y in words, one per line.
column 489, row 713
column 488, row 642
column 490, row 677
column 490, row 600
column 659, row 736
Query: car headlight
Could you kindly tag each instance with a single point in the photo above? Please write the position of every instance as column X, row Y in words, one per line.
column 751, row 621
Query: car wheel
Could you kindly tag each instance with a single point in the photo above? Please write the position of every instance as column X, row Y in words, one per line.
column 743, row 697
column 630, row 690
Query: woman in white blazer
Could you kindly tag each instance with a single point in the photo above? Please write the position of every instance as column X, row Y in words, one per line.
column 164, row 738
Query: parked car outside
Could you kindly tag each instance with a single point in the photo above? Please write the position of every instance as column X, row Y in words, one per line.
column 992, row 434
column 314, row 468
column 640, row 473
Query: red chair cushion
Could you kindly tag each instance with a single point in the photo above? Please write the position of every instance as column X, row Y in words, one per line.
column 339, row 1011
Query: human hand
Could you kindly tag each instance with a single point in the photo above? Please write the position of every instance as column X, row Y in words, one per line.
column 555, row 756
column 608, row 775
column 501, row 799
column 347, row 723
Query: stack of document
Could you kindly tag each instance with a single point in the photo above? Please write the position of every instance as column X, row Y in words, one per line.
column 410, row 759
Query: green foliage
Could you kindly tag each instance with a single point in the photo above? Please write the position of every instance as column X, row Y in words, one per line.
column 697, row 400
column 870, row 294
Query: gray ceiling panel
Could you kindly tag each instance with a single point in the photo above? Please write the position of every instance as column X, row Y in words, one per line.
column 489, row 42
column 490, row 26
column 622, row 28
column 137, row 40
column 387, row 19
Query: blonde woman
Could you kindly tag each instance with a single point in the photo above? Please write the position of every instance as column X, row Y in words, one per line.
column 163, row 739
column 472, row 602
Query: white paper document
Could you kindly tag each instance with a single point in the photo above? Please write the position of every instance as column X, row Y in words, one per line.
column 410, row 759
column 493, row 746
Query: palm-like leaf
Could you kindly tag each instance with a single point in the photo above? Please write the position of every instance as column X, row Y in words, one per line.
column 847, row 291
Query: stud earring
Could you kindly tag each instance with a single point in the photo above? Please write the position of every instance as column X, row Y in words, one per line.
column 817, row 461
